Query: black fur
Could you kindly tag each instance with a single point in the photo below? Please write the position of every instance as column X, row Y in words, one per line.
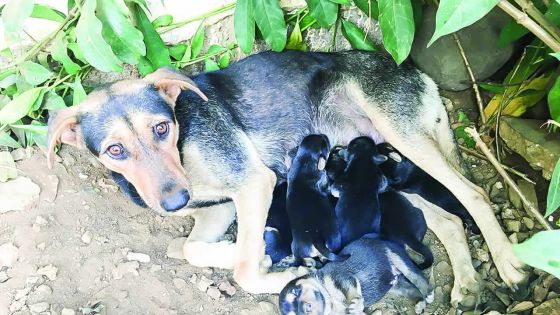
column 278, row 234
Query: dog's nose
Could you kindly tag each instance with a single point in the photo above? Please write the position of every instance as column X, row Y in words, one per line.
column 175, row 201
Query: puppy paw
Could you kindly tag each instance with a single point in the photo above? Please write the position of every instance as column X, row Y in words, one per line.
column 356, row 307
column 420, row 306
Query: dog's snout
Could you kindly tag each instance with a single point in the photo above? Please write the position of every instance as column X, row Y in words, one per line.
column 176, row 201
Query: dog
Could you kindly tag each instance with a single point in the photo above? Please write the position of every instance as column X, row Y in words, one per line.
column 311, row 214
column 277, row 232
column 403, row 175
column 374, row 267
column 214, row 145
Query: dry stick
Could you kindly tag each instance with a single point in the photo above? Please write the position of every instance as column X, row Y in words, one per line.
column 523, row 19
column 540, row 18
column 492, row 159
column 473, row 79
column 507, row 168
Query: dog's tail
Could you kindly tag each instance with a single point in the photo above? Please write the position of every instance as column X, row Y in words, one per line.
column 423, row 250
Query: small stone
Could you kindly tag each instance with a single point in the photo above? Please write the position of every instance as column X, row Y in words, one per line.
column 267, row 307
column 125, row 268
column 530, row 224
column 31, row 280
column 482, row 254
column 547, row 308
column 3, row 277
column 175, row 248
column 204, row 283
column 227, row 288
column 83, row 176
column 143, row 258
column 207, row 271
column 513, row 225
column 529, row 192
column 18, row 194
column 154, row 268
column 443, row 268
column 41, row 221
column 87, row 237
column 514, row 198
column 214, row 293
column 539, row 293
column 8, row 254
column 179, row 283
column 106, row 184
column 41, row 246
column 522, row 236
column 521, row 306
column 51, row 188
column 42, row 292
column 20, row 294
column 508, row 214
column 504, row 298
column 49, row 271
column 17, row 305
column 39, row 307
column 513, row 238
column 67, row 311
column 192, row 279
column 18, row 154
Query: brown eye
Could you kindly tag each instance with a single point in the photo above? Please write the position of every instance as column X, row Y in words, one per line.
column 116, row 151
column 161, row 129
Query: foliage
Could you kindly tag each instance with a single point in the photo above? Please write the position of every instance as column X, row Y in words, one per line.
column 540, row 251
column 553, row 198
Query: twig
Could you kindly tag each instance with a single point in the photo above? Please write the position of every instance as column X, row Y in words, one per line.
column 537, row 15
column 473, row 79
column 173, row 26
column 523, row 19
column 531, row 208
column 507, row 168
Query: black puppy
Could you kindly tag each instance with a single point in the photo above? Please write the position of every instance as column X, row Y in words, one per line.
column 357, row 188
column 309, row 208
column 277, row 233
column 405, row 176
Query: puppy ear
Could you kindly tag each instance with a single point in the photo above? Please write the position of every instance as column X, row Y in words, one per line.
column 321, row 163
column 63, row 127
column 343, row 153
column 171, row 83
column 379, row 158
column 395, row 156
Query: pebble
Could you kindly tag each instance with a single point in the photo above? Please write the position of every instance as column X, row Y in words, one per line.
column 443, row 268
column 124, row 268
column 154, row 268
column 87, row 237
column 39, row 307
column 539, row 293
column 204, row 283
column 482, row 254
column 49, row 271
column 51, row 188
column 503, row 297
column 529, row 223
column 175, row 248
column 22, row 293
column 42, row 292
column 207, row 271
column 8, row 254
column 227, row 288
column 193, row 279
column 41, row 246
column 31, row 280
column 508, row 214
column 83, row 176
column 18, row 194
column 18, row 154
column 214, row 293
column 67, row 311
column 143, row 258
column 41, row 221
column 513, row 238
column 17, row 305
column 267, row 307
column 3, row 277
column 513, row 225
column 179, row 283
column 547, row 308
column 521, row 306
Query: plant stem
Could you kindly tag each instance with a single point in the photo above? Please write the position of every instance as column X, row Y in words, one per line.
column 173, row 26
column 473, row 79
column 533, row 211
column 523, row 19
column 535, row 14
column 204, row 57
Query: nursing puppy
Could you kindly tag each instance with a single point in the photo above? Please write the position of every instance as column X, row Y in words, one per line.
column 309, row 208
column 375, row 266
column 405, row 176
column 277, row 232
column 357, row 187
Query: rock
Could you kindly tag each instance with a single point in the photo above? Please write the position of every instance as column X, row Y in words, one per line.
column 512, row 225
column 513, row 238
column 503, row 297
column 39, row 220
column 39, row 307
column 17, row 305
column 20, row 294
column 521, row 306
column 547, row 308
column 508, row 213
column 8, row 254
column 125, row 268
column 18, row 194
column 154, row 268
column 514, row 198
column 533, row 143
column 18, row 154
column 4, row 276
column 42, row 292
column 192, row 279
column 207, row 271
column 179, row 283
column 214, row 293
column 8, row 168
column 529, row 223
column 528, row 190
column 482, row 254
column 227, row 288
column 497, row 192
column 175, row 248
column 442, row 60
column 443, row 268
column 143, row 258
column 51, row 188
column 41, row 246
column 67, row 311
column 267, row 307
column 204, row 283
column 49, row 271
column 87, row 237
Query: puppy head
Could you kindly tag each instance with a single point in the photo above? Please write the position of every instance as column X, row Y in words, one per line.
column 313, row 150
column 363, row 161
column 395, row 168
column 336, row 164
column 303, row 296
column 130, row 127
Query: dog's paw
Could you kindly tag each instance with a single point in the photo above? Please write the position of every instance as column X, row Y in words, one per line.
column 509, row 267
column 257, row 283
column 356, row 307
column 466, row 288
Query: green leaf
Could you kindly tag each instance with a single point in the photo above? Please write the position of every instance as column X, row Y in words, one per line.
column 492, row 87
column 397, row 27
column 460, row 133
column 224, row 60
column 270, row 20
column 197, row 41
column 215, row 48
column 94, row 48
column 37, row 129
column 324, row 11
column 417, row 11
column 34, row 73
column 244, row 25
column 7, row 166
column 553, row 197
column 308, row 21
column 79, row 92
column 125, row 40
column 344, row 2
column 295, row 41
column 7, row 81
column 6, row 140
column 20, row 106
column 15, row 13
column 36, row 105
column 453, row 15
column 42, row 11
column 59, row 52
column 164, row 20
column 156, row 51
column 210, row 65
column 541, row 251
column 369, row 7
column 145, row 66
column 177, row 51
column 53, row 102
column 556, row 55
column 356, row 37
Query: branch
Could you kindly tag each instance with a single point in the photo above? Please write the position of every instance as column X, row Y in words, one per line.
column 540, row 18
column 473, row 79
column 534, row 212
column 523, row 19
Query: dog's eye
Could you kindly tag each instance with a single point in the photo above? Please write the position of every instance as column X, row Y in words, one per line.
column 116, row 151
column 161, row 129
column 307, row 308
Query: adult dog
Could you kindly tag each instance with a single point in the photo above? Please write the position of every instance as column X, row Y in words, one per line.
column 224, row 154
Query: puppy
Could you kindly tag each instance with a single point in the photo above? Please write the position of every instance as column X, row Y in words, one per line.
column 277, row 233
column 374, row 267
column 405, row 176
column 355, row 178
column 309, row 208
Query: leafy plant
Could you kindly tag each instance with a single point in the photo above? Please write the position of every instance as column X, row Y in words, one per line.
column 540, row 251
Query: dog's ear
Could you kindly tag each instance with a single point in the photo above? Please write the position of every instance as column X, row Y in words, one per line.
column 171, row 83
column 290, row 157
column 63, row 128
column 343, row 153
column 379, row 158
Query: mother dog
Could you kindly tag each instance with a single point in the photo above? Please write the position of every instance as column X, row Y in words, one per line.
column 220, row 145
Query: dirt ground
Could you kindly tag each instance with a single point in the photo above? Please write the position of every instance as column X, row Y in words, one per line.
column 89, row 229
